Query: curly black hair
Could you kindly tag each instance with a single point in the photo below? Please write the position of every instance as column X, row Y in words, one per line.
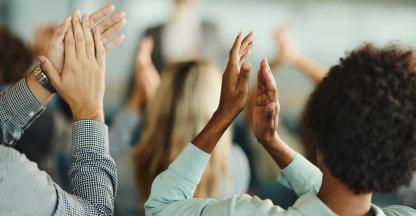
column 15, row 58
column 362, row 118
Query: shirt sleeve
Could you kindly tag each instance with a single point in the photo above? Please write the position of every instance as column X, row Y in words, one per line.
column 93, row 173
column 125, row 127
column 18, row 109
column 173, row 189
column 122, row 131
column 301, row 176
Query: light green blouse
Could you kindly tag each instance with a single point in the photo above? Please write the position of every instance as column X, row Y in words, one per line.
column 173, row 189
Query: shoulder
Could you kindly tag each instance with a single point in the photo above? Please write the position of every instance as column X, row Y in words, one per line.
column 253, row 205
column 398, row 210
column 24, row 184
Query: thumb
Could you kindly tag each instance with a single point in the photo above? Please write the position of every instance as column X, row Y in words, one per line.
column 244, row 77
column 53, row 75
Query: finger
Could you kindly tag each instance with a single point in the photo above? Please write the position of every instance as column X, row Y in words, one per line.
column 78, row 34
column 244, row 78
column 246, row 41
column 145, row 50
column 108, row 22
column 234, row 52
column 99, row 48
column 246, row 54
column 101, row 13
column 261, row 86
column 51, row 72
column 70, row 52
column 111, row 45
column 59, row 33
column 247, row 49
column 268, row 78
column 89, row 41
column 113, row 30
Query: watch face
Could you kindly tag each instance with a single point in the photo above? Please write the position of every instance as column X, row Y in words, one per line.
column 37, row 70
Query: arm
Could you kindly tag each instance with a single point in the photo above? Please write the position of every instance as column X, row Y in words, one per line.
column 147, row 81
column 172, row 190
column 315, row 72
column 122, row 132
column 298, row 174
column 20, row 105
column 288, row 54
column 81, row 85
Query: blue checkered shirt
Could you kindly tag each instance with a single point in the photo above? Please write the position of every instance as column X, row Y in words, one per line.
column 26, row 190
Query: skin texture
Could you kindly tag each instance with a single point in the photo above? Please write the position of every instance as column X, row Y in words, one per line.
column 100, row 22
column 234, row 94
column 288, row 54
column 147, row 79
column 81, row 83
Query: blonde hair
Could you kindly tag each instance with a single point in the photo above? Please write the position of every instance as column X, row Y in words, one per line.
column 185, row 101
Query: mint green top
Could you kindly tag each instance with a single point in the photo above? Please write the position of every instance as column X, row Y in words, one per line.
column 173, row 189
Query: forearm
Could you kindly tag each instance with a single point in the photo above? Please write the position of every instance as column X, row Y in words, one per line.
column 208, row 138
column 38, row 91
column 19, row 108
column 93, row 173
column 315, row 72
column 281, row 153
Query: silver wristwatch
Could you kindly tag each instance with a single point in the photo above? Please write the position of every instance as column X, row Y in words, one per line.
column 43, row 79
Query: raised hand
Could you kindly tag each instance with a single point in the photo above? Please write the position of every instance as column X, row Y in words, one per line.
column 234, row 94
column 266, row 107
column 265, row 117
column 288, row 53
column 147, row 79
column 81, row 83
column 106, row 26
column 235, row 80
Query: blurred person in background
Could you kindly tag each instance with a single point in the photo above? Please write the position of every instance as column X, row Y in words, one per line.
column 177, row 105
column 15, row 61
column 186, row 36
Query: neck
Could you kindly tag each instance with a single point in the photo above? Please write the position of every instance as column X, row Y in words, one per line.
column 342, row 200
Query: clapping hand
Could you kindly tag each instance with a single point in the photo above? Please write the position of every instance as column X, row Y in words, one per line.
column 107, row 26
column 266, row 107
column 81, row 83
column 235, row 80
column 234, row 94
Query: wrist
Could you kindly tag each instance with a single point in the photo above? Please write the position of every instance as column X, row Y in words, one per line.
column 42, row 95
column 222, row 118
column 85, row 113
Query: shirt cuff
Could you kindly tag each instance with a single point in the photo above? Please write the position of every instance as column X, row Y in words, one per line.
column 191, row 163
column 89, row 135
column 22, row 104
column 299, row 174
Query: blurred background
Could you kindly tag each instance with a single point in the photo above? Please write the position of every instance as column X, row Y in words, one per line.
column 321, row 30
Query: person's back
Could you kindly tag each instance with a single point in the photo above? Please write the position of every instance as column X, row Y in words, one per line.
column 361, row 117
